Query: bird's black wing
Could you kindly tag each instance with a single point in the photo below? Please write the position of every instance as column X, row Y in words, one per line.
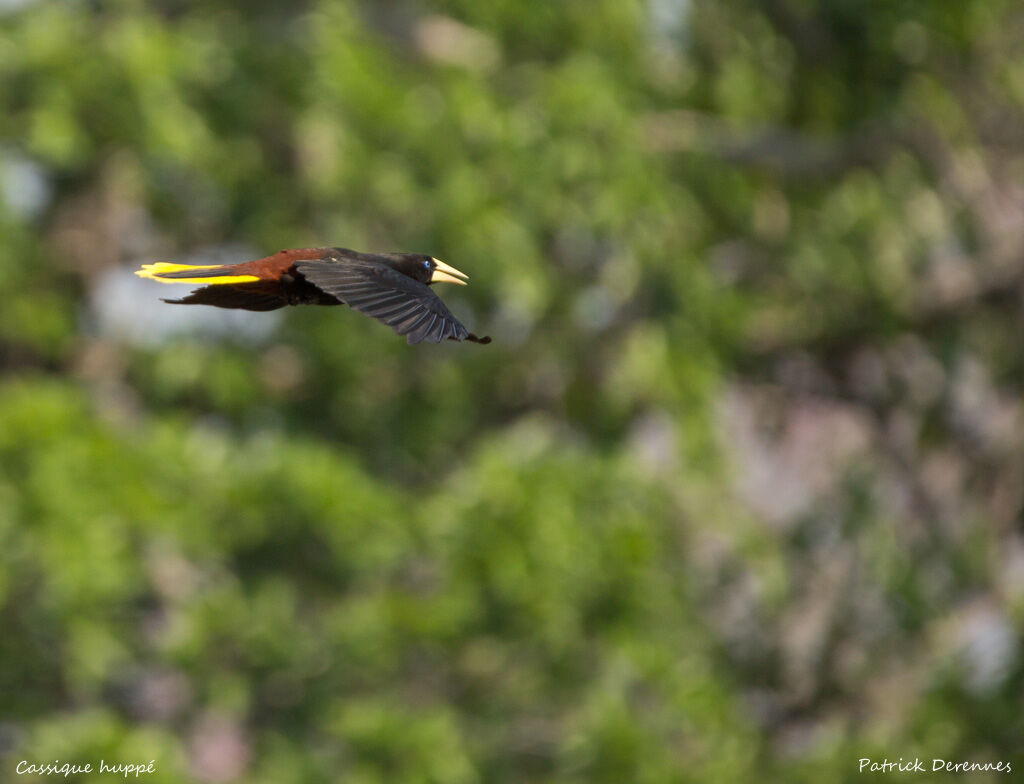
column 240, row 297
column 404, row 304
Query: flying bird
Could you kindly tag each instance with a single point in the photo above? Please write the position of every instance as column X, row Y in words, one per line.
column 391, row 287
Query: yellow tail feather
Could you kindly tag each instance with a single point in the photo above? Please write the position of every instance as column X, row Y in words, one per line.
column 159, row 270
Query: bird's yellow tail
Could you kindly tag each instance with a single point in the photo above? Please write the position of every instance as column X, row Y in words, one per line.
column 165, row 272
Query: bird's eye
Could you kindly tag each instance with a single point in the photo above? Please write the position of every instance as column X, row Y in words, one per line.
column 426, row 265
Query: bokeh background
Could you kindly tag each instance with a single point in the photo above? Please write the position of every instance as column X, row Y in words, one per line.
column 735, row 495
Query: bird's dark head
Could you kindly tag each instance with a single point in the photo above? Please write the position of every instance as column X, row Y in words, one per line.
column 427, row 269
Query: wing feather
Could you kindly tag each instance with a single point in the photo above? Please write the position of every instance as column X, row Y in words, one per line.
column 409, row 307
column 427, row 331
column 411, row 324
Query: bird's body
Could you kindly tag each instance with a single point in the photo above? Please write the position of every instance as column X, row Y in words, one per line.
column 391, row 287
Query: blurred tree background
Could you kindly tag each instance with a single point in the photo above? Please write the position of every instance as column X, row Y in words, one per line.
column 735, row 495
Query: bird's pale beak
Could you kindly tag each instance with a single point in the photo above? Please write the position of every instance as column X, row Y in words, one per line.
column 445, row 273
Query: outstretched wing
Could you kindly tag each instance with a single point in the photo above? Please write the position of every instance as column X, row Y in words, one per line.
column 241, row 297
column 409, row 307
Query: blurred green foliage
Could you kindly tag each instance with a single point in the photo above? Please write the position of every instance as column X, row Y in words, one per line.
column 735, row 494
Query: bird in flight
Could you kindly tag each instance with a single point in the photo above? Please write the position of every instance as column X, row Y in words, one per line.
column 390, row 287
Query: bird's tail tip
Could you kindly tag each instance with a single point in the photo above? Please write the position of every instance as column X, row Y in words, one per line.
column 168, row 272
column 159, row 268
